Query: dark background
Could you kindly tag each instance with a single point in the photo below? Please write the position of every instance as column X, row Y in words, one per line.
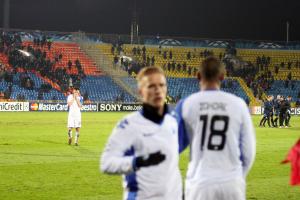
column 229, row 19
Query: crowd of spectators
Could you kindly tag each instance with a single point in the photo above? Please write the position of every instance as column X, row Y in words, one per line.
column 141, row 59
column 34, row 58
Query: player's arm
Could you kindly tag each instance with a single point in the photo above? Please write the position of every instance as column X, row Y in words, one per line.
column 78, row 100
column 70, row 100
column 119, row 154
column 183, row 139
column 247, row 140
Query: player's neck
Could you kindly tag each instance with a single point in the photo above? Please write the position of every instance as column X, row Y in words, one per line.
column 209, row 86
column 154, row 114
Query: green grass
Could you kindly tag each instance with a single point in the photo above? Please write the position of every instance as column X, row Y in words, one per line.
column 36, row 162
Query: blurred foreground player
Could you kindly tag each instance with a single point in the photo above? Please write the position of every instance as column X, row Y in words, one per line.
column 74, row 118
column 144, row 145
column 218, row 127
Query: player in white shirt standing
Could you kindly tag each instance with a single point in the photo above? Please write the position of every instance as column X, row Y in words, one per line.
column 144, row 145
column 218, row 127
column 74, row 118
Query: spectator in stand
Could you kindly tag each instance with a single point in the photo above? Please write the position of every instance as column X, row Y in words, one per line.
column 148, row 61
column 152, row 61
column 171, row 54
column 165, row 55
column 289, row 77
column 190, row 71
column 116, row 59
column 69, row 64
column 173, row 65
column 119, row 49
column 178, row 68
column 113, row 49
column 188, row 55
column 144, row 50
column 276, row 69
column 184, row 66
column 138, row 51
column 49, row 43
column 289, row 65
column 159, row 49
column 169, row 66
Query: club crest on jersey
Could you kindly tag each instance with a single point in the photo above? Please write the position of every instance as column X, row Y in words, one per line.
column 122, row 124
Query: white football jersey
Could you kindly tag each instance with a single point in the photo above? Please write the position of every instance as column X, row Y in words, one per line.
column 135, row 136
column 74, row 109
column 218, row 127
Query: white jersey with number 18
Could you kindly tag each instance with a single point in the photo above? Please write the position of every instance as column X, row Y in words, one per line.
column 218, row 127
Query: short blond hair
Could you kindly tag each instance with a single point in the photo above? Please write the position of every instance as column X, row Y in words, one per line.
column 146, row 71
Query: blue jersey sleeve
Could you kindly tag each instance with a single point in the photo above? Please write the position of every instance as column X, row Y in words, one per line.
column 183, row 138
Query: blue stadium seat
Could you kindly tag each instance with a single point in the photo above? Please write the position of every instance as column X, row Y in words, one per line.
column 278, row 88
column 102, row 88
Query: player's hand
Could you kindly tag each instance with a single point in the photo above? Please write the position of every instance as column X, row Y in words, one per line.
column 152, row 159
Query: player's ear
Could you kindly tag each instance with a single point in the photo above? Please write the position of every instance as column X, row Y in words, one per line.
column 222, row 77
column 140, row 91
column 199, row 76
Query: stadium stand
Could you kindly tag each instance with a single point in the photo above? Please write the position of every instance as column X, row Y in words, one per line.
column 179, row 63
column 255, row 69
column 56, row 71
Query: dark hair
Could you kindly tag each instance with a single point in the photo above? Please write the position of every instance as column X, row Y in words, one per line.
column 211, row 69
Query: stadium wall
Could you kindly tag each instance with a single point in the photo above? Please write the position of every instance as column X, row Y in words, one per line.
column 95, row 107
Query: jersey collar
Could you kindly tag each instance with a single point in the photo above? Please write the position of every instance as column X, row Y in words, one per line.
column 150, row 113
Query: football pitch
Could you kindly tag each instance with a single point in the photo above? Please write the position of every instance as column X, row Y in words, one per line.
column 37, row 163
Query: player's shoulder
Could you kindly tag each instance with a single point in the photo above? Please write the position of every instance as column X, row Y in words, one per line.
column 233, row 97
column 128, row 120
column 213, row 95
column 189, row 99
column 171, row 117
column 237, row 102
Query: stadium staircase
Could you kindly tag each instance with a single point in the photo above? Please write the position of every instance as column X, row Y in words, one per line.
column 248, row 91
column 103, row 60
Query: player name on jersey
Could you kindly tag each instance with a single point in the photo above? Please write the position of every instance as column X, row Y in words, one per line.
column 212, row 106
